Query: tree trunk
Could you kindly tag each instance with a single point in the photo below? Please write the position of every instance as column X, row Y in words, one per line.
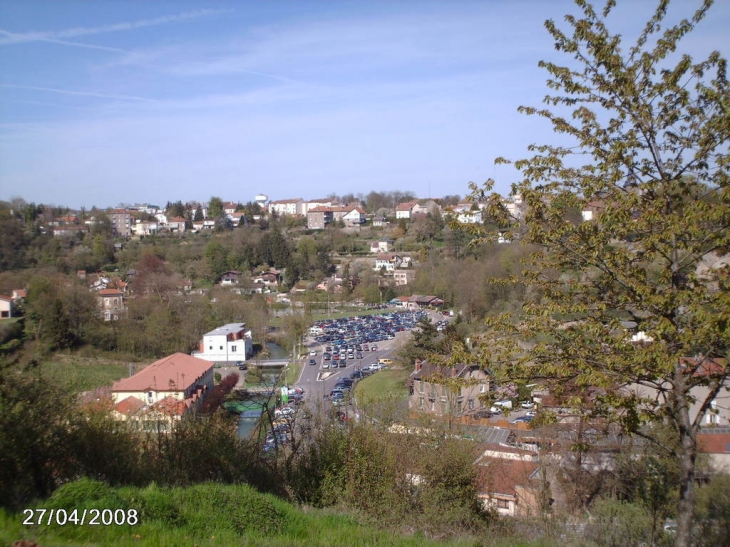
column 687, row 461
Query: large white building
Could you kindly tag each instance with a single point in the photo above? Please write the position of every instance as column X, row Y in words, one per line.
column 231, row 342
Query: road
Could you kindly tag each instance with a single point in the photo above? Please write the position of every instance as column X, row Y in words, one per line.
column 318, row 382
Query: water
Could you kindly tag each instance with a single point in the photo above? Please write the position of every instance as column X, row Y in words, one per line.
column 276, row 351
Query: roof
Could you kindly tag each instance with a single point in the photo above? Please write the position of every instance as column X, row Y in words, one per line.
column 110, row 292
column 406, row 205
column 715, row 441
column 230, row 328
column 283, row 201
column 129, row 406
column 6, row 298
column 430, row 370
column 176, row 372
column 506, row 475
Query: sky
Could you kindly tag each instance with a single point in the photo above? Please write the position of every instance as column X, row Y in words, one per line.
column 126, row 102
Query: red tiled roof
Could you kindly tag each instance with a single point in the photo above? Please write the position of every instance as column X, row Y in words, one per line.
column 176, row 372
column 506, row 475
column 128, row 406
column 406, row 206
column 6, row 298
column 110, row 292
column 714, row 443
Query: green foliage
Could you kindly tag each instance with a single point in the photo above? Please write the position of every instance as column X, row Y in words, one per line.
column 663, row 211
column 618, row 524
column 712, row 512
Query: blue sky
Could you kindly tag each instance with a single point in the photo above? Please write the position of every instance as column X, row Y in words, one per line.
column 103, row 103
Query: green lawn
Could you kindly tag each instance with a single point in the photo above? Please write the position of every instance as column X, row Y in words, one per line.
column 203, row 515
column 389, row 383
column 84, row 373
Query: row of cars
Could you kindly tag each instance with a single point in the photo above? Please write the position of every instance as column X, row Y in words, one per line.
column 364, row 329
column 341, row 392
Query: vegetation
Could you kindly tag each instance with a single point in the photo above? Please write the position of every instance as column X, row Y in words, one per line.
column 651, row 149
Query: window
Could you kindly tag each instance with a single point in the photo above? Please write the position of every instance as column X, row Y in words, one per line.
column 233, row 349
column 210, row 348
column 482, row 388
column 458, row 406
column 471, row 404
column 502, row 504
column 421, row 403
column 221, row 348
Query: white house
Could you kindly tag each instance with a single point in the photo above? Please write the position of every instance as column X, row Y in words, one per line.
column 231, row 342
column 388, row 261
column 405, row 210
column 294, row 206
column 382, row 246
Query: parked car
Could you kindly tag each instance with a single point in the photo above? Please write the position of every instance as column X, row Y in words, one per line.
column 522, row 420
column 241, row 365
column 313, row 352
column 312, row 362
column 527, row 405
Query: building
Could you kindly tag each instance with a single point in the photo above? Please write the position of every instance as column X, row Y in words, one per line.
column 176, row 224
column 121, row 220
column 232, row 277
column 6, row 307
column 111, row 303
column 163, row 392
column 282, row 207
column 319, row 217
column 405, row 210
column 430, row 393
column 403, row 277
column 509, row 481
column 387, row 261
column 145, row 228
column 231, row 342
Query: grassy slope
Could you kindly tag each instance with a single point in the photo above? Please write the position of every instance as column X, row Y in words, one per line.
column 389, row 383
column 84, row 373
column 204, row 515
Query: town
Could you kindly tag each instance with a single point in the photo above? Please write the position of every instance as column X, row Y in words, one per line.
column 251, row 294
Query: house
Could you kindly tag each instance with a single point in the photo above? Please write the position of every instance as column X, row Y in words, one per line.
column 353, row 216
column 70, row 230
column 231, row 342
column 388, row 261
column 232, row 277
column 163, row 392
column 424, row 207
column 405, row 210
column 382, row 246
column 121, row 220
column 19, row 294
column 429, row 391
column 282, row 207
column 229, row 208
column 111, row 304
column 6, row 306
column 715, row 442
column 319, row 217
column 236, row 218
column 176, row 224
column 509, row 485
column 591, row 210
column 316, row 203
column 145, row 228
column 379, row 222
column 419, row 302
column 403, row 277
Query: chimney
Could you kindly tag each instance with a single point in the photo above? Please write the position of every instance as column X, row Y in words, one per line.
column 419, row 364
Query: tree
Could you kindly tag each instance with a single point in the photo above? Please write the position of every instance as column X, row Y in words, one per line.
column 649, row 147
column 215, row 207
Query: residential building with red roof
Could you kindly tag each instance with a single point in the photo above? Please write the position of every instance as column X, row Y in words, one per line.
column 6, row 306
column 164, row 391
column 111, row 303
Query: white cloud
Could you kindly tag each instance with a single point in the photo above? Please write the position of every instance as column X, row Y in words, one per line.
column 57, row 35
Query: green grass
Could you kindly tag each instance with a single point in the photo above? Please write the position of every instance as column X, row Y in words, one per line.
column 389, row 383
column 203, row 515
column 84, row 373
column 292, row 372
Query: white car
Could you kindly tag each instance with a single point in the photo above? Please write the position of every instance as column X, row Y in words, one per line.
column 313, row 352
column 527, row 405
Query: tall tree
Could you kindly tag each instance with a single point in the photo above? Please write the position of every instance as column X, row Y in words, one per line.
column 650, row 155
column 215, row 207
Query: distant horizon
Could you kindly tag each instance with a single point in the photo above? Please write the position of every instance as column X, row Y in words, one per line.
column 115, row 102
